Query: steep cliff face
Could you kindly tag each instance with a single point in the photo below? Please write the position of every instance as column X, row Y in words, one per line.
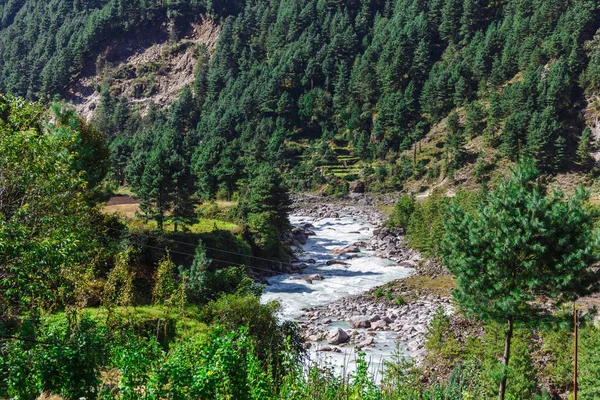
column 145, row 68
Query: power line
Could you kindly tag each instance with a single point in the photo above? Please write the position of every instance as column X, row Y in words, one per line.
column 223, row 251
column 252, row 266
column 207, row 247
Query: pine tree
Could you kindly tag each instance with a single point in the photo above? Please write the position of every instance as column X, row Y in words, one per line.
column 454, row 143
column 470, row 18
column 474, row 123
column 560, row 149
column 160, row 175
column 584, row 148
column 184, row 114
column 521, row 244
column 450, row 25
column 155, row 189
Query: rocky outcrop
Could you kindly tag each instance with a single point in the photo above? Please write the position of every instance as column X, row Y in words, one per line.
column 359, row 322
column 345, row 250
column 391, row 244
column 337, row 336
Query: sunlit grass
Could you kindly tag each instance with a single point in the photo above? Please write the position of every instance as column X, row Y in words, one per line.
column 202, row 225
column 187, row 322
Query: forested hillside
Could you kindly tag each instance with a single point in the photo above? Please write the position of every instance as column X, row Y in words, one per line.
column 134, row 235
column 334, row 89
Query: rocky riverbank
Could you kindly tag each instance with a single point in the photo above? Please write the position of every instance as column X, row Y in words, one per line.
column 402, row 310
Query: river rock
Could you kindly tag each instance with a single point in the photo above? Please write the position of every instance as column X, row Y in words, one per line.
column 381, row 324
column 298, row 266
column 359, row 321
column 345, row 250
column 358, row 187
column 408, row 264
column 333, row 262
column 337, row 336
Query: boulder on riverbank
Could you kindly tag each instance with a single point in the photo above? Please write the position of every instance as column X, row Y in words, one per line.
column 359, row 321
column 337, row 336
column 345, row 250
column 338, row 262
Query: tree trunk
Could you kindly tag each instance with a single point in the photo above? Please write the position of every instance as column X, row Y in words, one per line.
column 509, row 333
column 415, row 156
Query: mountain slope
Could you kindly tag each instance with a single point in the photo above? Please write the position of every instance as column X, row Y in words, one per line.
column 336, row 91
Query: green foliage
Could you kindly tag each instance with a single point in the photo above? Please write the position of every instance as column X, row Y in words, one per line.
column 424, row 220
column 164, row 284
column 590, row 362
column 48, row 241
column 426, row 228
column 520, row 244
column 403, row 210
column 230, row 370
column 442, row 347
column 59, row 359
column 454, row 143
column 45, row 46
column 263, row 207
column 524, row 239
column 135, row 359
column 160, row 174
column 373, row 76
column 245, row 310
column 585, row 147
column 206, row 283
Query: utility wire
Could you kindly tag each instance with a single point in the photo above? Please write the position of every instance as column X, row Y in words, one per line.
column 252, row 266
column 223, row 251
column 207, row 247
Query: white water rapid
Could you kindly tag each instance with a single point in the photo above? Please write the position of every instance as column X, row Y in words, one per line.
column 361, row 274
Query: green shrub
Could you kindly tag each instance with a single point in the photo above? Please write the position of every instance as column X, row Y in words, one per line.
column 234, row 311
column 61, row 359
column 224, row 367
column 590, row 362
column 400, row 301
column 403, row 210
column 135, row 359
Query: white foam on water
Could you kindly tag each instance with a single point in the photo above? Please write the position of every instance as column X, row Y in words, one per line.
column 362, row 273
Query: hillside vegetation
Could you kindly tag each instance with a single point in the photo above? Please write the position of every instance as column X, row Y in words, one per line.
column 387, row 92
column 203, row 115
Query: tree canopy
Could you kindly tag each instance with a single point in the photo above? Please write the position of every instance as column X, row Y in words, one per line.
column 521, row 246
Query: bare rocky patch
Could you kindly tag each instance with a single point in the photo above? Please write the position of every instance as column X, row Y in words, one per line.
column 145, row 68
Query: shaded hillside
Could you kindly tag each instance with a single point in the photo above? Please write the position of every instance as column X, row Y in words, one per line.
column 45, row 45
column 333, row 92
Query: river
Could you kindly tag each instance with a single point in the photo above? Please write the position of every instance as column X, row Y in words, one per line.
column 361, row 273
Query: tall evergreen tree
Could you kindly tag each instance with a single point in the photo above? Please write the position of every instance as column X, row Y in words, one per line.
column 520, row 244
column 454, row 143
column 584, row 148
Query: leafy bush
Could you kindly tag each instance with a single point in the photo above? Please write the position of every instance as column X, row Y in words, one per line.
column 62, row 359
column 233, row 311
column 403, row 210
column 224, row 367
column 590, row 362
column 423, row 220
